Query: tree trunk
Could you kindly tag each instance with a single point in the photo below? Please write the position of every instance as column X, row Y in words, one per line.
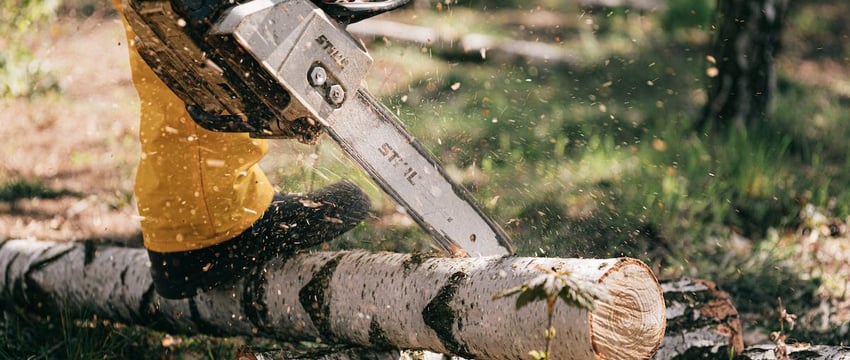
column 381, row 300
column 701, row 319
column 747, row 41
column 468, row 46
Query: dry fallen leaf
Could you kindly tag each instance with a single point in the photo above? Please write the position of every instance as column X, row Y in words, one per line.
column 169, row 341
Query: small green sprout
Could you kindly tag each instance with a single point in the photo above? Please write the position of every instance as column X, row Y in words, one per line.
column 550, row 286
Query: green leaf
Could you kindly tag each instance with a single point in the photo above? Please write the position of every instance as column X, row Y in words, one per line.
column 530, row 295
column 582, row 294
column 557, row 284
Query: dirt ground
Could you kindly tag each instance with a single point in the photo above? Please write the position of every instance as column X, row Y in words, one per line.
column 84, row 141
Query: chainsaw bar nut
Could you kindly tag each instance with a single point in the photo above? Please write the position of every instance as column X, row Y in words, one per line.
column 336, row 94
column 318, row 76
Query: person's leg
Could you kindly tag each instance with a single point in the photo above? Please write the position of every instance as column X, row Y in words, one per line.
column 206, row 208
column 291, row 222
column 195, row 188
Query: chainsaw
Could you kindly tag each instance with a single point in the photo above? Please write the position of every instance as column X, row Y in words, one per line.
column 288, row 69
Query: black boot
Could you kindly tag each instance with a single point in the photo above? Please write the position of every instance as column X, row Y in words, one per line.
column 292, row 222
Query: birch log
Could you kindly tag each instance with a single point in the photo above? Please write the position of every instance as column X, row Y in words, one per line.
column 378, row 300
column 795, row 352
column 701, row 320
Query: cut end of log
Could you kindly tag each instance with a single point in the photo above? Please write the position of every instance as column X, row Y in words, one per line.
column 630, row 325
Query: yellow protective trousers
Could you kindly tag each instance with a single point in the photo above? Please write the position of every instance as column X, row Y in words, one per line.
column 194, row 188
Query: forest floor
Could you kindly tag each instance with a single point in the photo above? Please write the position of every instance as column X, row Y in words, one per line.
column 82, row 145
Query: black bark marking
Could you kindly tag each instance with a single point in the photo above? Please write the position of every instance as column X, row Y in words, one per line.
column 124, row 276
column 377, row 335
column 35, row 298
column 90, row 249
column 690, row 319
column 29, row 292
column 148, row 313
column 8, row 289
column 315, row 298
column 413, row 261
column 706, row 352
column 201, row 325
column 142, row 314
column 440, row 316
column 40, row 263
column 146, row 303
column 805, row 354
column 253, row 301
column 698, row 296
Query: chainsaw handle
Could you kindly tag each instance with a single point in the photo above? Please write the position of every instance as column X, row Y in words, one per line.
column 349, row 13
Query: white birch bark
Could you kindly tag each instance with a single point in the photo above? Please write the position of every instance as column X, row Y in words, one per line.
column 701, row 319
column 378, row 300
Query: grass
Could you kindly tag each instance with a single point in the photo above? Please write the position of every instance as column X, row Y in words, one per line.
column 60, row 336
column 603, row 160
column 16, row 189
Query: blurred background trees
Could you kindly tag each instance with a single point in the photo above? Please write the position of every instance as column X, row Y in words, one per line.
column 21, row 72
column 744, row 50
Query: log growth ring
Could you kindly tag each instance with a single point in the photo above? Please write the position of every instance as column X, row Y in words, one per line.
column 631, row 324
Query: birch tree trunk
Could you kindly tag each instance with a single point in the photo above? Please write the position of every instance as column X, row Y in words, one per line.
column 378, row 300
